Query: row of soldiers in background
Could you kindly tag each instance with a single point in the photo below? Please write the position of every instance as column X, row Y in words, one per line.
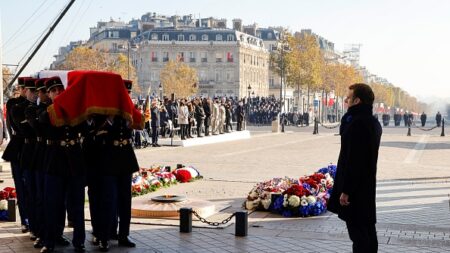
column 409, row 118
column 197, row 117
column 51, row 167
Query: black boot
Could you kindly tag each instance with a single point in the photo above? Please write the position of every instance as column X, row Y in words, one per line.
column 126, row 242
column 103, row 246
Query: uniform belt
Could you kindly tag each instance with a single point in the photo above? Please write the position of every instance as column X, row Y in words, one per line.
column 28, row 140
column 63, row 143
column 121, row 143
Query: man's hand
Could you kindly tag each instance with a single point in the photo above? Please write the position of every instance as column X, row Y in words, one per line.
column 343, row 200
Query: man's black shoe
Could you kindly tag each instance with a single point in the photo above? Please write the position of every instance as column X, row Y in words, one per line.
column 103, row 246
column 95, row 241
column 24, row 228
column 32, row 236
column 46, row 249
column 80, row 248
column 114, row 237
column 126, row 242
column 62, row 241
column 38, row 243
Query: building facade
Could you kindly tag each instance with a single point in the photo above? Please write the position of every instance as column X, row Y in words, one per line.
column 228, row 62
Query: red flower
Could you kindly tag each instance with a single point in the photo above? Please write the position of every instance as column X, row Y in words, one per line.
column 297, row 190
column 183, row 175
column 4, row 195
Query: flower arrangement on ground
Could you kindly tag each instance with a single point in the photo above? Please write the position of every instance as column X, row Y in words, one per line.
column 5, row 195
column 307, row 196
column 151, row 179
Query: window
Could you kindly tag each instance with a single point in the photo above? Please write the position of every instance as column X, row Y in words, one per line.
column 205, row 37
column 229, row 57
column 219, row 57
column 271, row 81
column 204, row 56
column 269, row 36
column 230, row 37
column 191, row 56
column 192, row 37
column 180, row 37
column 154, row 56
column 219, row 37
column 180, row 56
column 218, row 77
column 165, row 56
column 203, row 75
column 165, row 37
column 229, row 76
column 113, row 34
column 154, row 36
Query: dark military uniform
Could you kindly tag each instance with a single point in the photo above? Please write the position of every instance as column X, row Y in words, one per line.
column 12, row 154
column 37, row 163
column 64, row 180
column 110, row 174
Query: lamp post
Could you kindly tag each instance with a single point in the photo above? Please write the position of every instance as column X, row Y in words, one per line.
column 160, row 91
column 249, row 88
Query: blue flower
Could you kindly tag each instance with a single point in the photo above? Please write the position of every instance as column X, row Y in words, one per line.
column 317, row 208
column 3, row 215
column 278, row 204
column 306, row 186
column 287, row 213
column 304, row 210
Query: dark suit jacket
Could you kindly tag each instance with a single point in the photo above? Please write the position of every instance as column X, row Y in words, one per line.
column 357, row 166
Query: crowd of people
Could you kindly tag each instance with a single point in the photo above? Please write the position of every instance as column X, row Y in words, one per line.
column 52, row 164
column 189, row 118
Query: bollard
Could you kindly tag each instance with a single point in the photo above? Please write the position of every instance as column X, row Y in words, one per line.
column 12, row 210
column 179, row 166
column 241, row 223
column 409, row 128
column 185, row 220
column 443, row 123
column 316, row 126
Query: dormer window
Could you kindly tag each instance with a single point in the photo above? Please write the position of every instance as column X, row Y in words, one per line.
column 205, row 37
column 219, row 37
column 230, row 37
column 154, row 36
column 165, row 37
column 192, row 37
column 269, row 36
column 180, row 37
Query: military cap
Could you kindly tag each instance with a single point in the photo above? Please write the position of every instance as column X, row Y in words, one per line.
column 53, row 82
column 128, row 84
column 21, row 81
column 40, row 84
column 29, row 83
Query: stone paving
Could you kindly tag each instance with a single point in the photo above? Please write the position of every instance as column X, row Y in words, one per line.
column 413, row 203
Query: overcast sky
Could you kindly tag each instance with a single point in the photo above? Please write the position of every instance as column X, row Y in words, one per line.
column 405, row 41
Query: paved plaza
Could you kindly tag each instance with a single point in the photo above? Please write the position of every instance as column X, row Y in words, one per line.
column 413, row 195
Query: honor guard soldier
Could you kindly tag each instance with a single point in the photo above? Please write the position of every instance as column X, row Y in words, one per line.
column 12, row 154
column 19, row 117
column 32, row 115
column 64, row 178
column 114, row 164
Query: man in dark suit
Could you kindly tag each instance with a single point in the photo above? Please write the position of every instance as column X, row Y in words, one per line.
column 353, row 196
column 155, row 123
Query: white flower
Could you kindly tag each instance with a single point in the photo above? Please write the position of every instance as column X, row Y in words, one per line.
column 311, row 199
column 249, row 205
column 3, row 205
column 266, row 203
column 327, row 176
column 294, row 201
column 253, row 195
column 304, row 202
column 166, row 180
column 285, row 200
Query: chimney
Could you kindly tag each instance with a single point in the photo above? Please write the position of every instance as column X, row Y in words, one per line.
column 237, row 24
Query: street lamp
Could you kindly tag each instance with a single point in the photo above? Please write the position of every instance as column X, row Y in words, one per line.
column 249, row 88
column 160, row 92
